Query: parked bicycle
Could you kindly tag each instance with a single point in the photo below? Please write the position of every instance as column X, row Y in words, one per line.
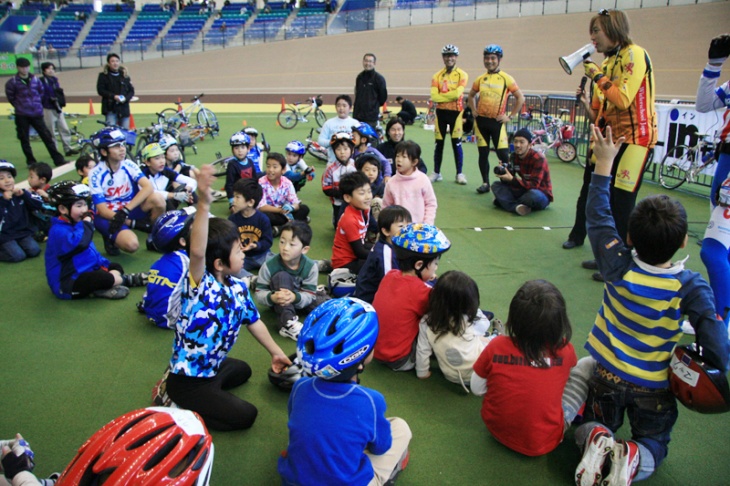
column 684, row 164
column 87, row 148
column 429, row 117
column 299, row 111
column 552, row 132
column 180, row 116
column 314, row 149
column 153, row 134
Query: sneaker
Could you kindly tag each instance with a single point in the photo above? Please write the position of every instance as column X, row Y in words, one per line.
column 110, row 248
column 484, row 188
column 135, row 279
column 497, row 327
column 461, row 179
column 523, row 210
column 624, row 463
column 598, row 277
column 435, row 177
column 402, row 464
column 276, row 231
column 325, row 266
column 219, row 196
column 599, row 445
column 292, row 329
column 114, row 293
column 570, row 244
column 140, row 306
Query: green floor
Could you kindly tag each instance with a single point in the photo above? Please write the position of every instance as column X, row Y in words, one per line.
column 70, row 367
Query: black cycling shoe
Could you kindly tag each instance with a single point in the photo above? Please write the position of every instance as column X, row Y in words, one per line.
column 484, row 188
column 110, row 248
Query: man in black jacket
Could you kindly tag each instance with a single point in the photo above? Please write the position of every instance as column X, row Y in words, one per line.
column 370, row 92
column 116, row 90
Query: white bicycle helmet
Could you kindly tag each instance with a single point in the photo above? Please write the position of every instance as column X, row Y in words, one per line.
column 450, row 49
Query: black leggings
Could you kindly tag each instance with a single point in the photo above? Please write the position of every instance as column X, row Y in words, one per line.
column 490, row 129
column 89, row 282
column 448, row 118
column 278, row 219
column 219, row 409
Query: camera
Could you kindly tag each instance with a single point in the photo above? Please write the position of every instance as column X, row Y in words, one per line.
column 502, row 169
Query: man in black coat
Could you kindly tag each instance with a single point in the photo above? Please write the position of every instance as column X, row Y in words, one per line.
column 370, row 92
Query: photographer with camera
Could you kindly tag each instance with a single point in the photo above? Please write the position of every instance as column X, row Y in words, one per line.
column 524, row 183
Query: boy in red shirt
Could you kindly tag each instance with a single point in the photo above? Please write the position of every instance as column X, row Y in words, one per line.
column 402, row 298
column 350, row 250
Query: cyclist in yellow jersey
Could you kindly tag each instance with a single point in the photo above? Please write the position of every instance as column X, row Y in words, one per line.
column 624, row 100
column 447, row 92
column 492, row 90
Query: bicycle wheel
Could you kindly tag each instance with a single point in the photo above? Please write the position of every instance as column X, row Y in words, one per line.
column 170, row 117
column 566, row 152
column 87, row 149
column 208, row 119
column 287, row 118
column 675, row 165
column 430, row 118
column 221, row 166
column 320, row 117
column 142, row 142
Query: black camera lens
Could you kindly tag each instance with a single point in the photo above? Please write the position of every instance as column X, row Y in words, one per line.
column 500, row 170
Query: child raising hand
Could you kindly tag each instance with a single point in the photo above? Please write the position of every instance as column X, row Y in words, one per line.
column 215, row 305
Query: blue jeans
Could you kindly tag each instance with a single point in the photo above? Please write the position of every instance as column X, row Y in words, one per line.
column 18, row 250
column 505, row 198
column 652, row 415
column 117, row 120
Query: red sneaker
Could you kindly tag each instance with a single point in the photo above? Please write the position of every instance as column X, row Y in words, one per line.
column 599, row 445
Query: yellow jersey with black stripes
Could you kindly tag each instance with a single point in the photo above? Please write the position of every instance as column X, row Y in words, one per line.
column 447, row 89
column 494, row 90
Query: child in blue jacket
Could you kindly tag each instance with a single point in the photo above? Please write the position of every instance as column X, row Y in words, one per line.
column 74, row 267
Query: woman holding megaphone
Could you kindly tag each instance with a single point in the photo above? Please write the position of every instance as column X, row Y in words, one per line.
column 623, row 98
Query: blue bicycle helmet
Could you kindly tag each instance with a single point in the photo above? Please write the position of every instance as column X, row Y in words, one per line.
column 450, row 49
column 337, row 336
column 7, row 166
column 68, row 192
column 167, row 141
column 168, row 229
column 494, row 49
column 240, row 138
column 366, row 130
column 296, row 147
column 423, row 239
column 108, row 137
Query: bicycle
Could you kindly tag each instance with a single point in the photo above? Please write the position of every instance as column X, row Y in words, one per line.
column 87, row 147
column 299, row 111
column 683, row 163
column 153, row 134
column 427, row 118
column 552, row 133
column 180, row 116
column 314, row 149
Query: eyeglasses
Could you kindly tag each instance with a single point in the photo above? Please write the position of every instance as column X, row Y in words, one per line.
column 604, row 12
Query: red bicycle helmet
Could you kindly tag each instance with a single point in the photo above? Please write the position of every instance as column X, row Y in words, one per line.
column 696, row 383
column 150, row 446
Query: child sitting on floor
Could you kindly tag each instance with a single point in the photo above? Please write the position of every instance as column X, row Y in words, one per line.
column 455, row 330
column 338, row 431
column 161, row 301
column 381, row 258
column 39, row 176
column 174, row 157
column 84, row 164
column 174, row 187
column 253, row 226
column 363, row 135
column 342, row 146
column 410, row 187
column 350, row 249
column 297, row 171
column 74, row 267
column 16, row 228
column 287, row 282
column 402, row 298
column 256, row 151
column 214, row 307
column 239, row 166
column 528, row 368
column 280, row 202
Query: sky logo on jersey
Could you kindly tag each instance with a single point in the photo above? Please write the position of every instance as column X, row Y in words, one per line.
column 118, row 192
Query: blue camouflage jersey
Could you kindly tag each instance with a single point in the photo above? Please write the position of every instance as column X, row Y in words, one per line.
column 212, row 315
column 162, row 298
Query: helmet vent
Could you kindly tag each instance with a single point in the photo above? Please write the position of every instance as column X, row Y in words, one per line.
column 309, row 346
column 332, row 327
column 163, row 451
column 338, row 348
column 201, row 460
column 146, row 438
column 131, row 424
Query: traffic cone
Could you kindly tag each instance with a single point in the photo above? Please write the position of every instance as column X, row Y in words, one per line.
column 132, row 126
column 385, row 107
column 245, row 123
column 283, row 105
column 91, row 107
column 179, row 105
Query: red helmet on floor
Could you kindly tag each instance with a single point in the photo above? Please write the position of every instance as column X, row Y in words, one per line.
column 150, row 446
column 696, row 384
